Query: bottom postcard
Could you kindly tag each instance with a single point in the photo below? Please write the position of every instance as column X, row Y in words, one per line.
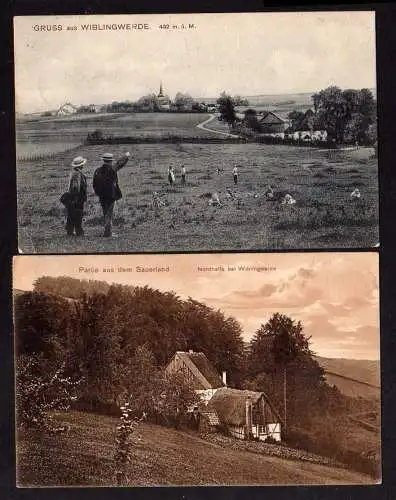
column 209, row 369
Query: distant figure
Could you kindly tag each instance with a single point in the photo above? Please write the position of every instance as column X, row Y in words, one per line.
column 105, row 185
column 235, row 174
column 215, row 200
column 270, row 193
column 77, row 198
column 171, row 175
column 288, row 200
column 183, row 174
column 355, row 194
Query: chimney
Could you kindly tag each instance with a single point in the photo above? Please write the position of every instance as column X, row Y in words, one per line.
column 224, row 377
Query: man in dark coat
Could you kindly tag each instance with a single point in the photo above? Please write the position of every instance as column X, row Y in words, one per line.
column 105, row 185
column 77, row 197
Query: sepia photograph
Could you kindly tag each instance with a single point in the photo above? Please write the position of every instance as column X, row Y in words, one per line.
column 196, row 132
column 210, row 369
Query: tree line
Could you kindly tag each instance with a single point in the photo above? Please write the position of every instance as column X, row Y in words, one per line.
column 102, row 333
column 348, row 116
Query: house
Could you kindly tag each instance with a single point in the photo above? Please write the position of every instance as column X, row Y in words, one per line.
column 246, row 414
column 66, row 109
column 198, row 372
column 271, row 123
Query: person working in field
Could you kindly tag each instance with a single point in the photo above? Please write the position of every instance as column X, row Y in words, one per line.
column 105, row 185
column 183, row 174
column 76, row 197
column 171, row 175
column 235, row 174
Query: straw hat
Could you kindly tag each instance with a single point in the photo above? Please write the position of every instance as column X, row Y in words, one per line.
column 78, row 161
column 107, row 157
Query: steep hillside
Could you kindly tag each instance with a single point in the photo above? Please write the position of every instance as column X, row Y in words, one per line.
column 161, row 456
column 354, row 377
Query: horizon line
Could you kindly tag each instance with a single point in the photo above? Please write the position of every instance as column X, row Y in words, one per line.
column 243, row 96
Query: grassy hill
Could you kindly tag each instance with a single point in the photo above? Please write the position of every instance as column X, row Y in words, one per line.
column 161, row 456
column 353, row 377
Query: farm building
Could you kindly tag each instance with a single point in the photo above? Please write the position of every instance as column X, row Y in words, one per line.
column 246, row 414
column 271, row 123
column 66, row 109
column 197, row 371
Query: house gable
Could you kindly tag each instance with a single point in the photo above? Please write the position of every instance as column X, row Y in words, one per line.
column 196, row 368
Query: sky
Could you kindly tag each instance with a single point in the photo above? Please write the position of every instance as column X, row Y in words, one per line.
column 334, row 295
column 244, row 53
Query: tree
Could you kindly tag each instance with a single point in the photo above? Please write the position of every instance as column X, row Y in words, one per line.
column 226, row 108
column 251, row 120
column 147, row 103
column 279, row 356
column 42, row 387
column 347, row 115
column 175, row 398
column 296, row 117
column 331, row 112
column 183, row 102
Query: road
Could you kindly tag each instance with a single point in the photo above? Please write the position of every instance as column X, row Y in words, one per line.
column 211, row 118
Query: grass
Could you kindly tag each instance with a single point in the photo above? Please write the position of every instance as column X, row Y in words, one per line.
column 320, row 180
column 324, row 215
column 160, row 456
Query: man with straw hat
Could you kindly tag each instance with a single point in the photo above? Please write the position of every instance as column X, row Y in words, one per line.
column 105, row 185
column 77, row 196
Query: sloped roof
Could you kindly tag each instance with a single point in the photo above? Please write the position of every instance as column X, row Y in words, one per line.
column 204, row 366
column 271, row 118
column 230, row 404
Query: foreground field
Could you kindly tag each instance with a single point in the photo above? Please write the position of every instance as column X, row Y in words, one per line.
column 161, row 456
column 321, row 182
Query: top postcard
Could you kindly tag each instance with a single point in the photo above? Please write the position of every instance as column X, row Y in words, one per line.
column 196, row 132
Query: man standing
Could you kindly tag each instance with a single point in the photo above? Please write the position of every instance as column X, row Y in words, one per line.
column 105, row 185
column 77, row 197
column 235, row 174
column 183, row 174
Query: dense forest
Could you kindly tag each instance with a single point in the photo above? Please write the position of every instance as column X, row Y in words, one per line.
column 106, row 335
column 96, row 328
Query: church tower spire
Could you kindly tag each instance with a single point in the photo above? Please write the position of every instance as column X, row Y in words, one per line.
column 161, row 93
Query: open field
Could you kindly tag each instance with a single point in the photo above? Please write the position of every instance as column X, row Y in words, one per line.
column 161, row 456
column 321, row 181
column 52, row 134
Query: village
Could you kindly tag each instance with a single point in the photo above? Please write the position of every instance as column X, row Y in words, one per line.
column 296, row 126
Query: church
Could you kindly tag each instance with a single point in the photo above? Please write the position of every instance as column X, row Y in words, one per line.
column 163, row 101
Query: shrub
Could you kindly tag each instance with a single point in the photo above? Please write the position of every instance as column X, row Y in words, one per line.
column 125, row 429
column 95, row 136
column 40, row 390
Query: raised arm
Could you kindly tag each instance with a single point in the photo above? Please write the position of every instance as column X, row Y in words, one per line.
column 121, row 162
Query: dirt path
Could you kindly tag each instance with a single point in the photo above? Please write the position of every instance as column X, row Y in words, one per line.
column 211, row 118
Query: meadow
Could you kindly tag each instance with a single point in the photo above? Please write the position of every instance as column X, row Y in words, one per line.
column 321, row 181
column 160, row 456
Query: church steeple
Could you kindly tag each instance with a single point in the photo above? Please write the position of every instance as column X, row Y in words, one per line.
column 161, row 93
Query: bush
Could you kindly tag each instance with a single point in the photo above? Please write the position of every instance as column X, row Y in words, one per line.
column 95, row 136
column 40, row 390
